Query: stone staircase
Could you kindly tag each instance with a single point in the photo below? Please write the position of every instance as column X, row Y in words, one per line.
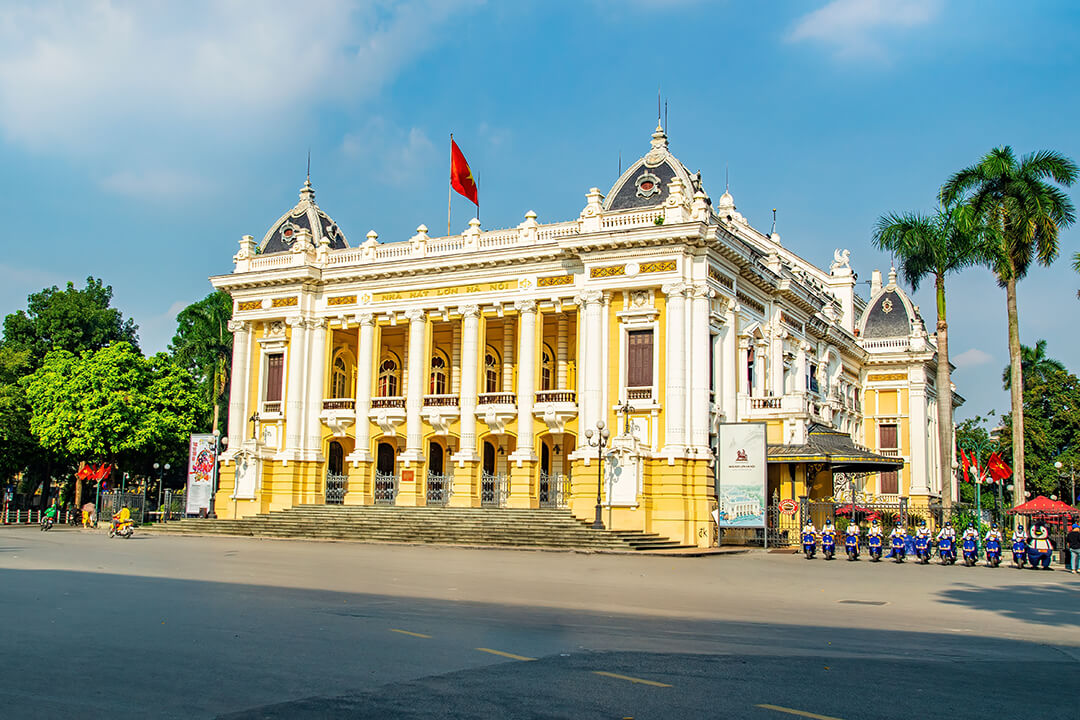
column 548, row 528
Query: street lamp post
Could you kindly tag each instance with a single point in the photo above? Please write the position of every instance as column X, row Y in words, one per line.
column 1072, row 477
column 602, row 435
column 160, row 483
column 213, row 485
column 981, row 450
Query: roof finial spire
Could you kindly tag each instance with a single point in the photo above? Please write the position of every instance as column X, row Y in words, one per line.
column 892, row 275
column 307, row 192
column 727, row 179
column 309, row 166
column 773, row 231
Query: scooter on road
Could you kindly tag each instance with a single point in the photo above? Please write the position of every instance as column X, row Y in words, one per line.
column 947, row 550
column 971, row 552
column 993, row 553
column 828, row 545
column 898, row 549
column 809, row 545
column 851, row 546
column 874, row 545
column 922, row 549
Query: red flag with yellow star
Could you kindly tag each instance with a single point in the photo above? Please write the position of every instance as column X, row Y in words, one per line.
column 461, row 177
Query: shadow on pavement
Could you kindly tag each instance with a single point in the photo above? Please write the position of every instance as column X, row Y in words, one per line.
column 1045, row 604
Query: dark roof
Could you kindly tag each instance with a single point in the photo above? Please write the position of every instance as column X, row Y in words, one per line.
column 887, row 317
column 306, row 215
column 833, row 448
column 648, row 187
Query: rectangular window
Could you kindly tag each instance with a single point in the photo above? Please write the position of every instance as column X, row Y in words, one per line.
column 890, row 483
column 812, row 378
column 888, row 445
column 887, row 437
column 275, row 372
column 639, row 358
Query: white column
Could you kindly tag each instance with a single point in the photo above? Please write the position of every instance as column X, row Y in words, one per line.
column 317, row 378
column 470, row 358
column 729, row 368
column 800, row 369
column 744, row 388
column 414, row 399
column 605, row 362
column 699, row 369
column 917, row 422
column 562, row 345
column 526, row 378
column 508, row 356
column 238, row 383
column 675, row 382
column 594, row 359
column 761, row 347
column 294, row 390
column 776, row 361
column 364, row 363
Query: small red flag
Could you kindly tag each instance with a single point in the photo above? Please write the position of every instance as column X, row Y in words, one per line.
column 964, row 462
column 998, row 469
column 461, row 177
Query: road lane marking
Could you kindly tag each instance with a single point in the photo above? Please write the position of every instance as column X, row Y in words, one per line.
column 411, row 634
column 800, row 713
column 500, row 653
column 639, row 681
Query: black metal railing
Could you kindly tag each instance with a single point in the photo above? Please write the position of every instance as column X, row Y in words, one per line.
column 386, row 487
column 336, row 487
column 439, row 488
column 493, row 490
column 554, row 490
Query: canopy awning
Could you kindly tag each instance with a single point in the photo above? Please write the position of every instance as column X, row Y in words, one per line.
column 835, row 449
column 1043, row 505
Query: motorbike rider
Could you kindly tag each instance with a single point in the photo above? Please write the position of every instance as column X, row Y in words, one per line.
column 810, row 529
column 971, row 532
column 947, row 532
column 923, row 531
column 993, row 534
column 50, row 514
column 120, row 518
column 853, row 530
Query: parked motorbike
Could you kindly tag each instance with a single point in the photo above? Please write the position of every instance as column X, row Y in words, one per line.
column 1019, row 551
column 898, row 549
column 947, row 551
column 828, row 545
column 851, row 546
column 874, row 545
column 993, row 553
column 922, row 549
column 809, row 545
column 971, row 552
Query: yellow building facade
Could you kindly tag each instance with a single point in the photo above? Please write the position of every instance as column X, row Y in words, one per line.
column 465, row 370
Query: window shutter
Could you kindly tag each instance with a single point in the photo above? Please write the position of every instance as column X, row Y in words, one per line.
column 639, row 358
column 275, row 367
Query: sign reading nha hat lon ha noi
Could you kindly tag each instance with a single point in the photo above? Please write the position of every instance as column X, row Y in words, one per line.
column 741, row 475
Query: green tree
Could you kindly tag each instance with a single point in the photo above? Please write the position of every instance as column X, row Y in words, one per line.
column 112, row 405
column 1035, row 366
column 1023, row 215
column 933, row 246
column 203, row 345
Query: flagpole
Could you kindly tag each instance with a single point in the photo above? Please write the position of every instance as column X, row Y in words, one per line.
column 449, row 187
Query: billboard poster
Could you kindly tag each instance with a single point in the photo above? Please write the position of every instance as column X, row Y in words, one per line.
column 202, row 460
column 741, row 475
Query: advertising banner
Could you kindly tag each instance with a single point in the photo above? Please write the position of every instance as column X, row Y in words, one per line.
column 741, row 475
column 202, row 461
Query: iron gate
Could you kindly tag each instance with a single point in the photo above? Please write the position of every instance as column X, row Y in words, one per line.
column 111, row 502
column 554, row 490
column 438, row 488
column 336, row 487
column 493, row 490
column 386, row 485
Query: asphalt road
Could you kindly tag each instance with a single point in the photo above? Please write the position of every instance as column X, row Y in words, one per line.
column 166, row 626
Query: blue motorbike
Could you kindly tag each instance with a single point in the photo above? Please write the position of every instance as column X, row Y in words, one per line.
column 809, row 545
column 828, row 545
column 971, row 552
column 1019, row 551
column 922, row 549
column 993, row 553
column 874, row 545
column 947, row 550
column 851, row 546
column 898, row 549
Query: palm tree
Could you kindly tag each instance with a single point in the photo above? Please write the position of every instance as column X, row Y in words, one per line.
column 934, row 246
column 1023, row 215
column 1035, row 366
column 203, row 344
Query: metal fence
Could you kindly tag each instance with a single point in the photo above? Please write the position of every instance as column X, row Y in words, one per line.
column 493, row 490
column 785, row 528
column 173, row 506
column 554, row 490
column 386, row 487
column 336, row 487
column 110, row 503
column 439, row 488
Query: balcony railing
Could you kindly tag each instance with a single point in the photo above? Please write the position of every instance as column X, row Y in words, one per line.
column 889, row 453
column 339, row 404
column 639, row 393
column 440, row 401
column 769, row 403
column 395, row 401
column 271, row 407
column 499, row 398
column 555, row 396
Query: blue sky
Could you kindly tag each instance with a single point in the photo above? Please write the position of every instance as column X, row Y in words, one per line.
column 140, row 140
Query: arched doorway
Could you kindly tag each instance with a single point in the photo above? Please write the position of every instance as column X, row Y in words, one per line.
column 435, row 458
column 336, row 458
column 335, row 474
column 438, row 484
column 489, row 458
column 545, row 474
column 385, row 475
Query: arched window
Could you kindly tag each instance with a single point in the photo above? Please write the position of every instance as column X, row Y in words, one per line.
column 547, row 368
column 492, row 371
column 388, row 378
column 750, row 370
column 339, row 381
column 438, row 383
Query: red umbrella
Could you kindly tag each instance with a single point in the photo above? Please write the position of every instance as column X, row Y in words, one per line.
column 1043, row 505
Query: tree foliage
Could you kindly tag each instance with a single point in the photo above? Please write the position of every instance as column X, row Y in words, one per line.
column 112, row 404
column 1035, row 365
column 203, row 345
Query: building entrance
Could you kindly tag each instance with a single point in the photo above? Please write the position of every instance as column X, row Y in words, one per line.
column 385, row 474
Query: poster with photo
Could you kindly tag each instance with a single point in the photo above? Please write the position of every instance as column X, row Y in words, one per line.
column 202, row 461
column 741, row 475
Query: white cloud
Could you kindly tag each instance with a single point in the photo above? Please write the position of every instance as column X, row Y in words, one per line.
column 853, row 28
column 972, row 358
column 158, row 185
column 92, row 76
column 401, row 156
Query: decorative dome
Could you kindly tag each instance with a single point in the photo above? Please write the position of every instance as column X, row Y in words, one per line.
column 305, row 216
column 645, row 183
column 889, row 313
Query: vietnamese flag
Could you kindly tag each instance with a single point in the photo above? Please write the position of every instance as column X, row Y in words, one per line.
column 998, row 469
column 461, row 177
column 964, row 462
